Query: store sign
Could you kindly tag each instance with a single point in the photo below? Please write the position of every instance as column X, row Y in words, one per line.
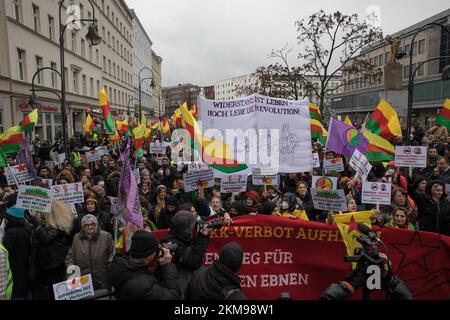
column 47, row 107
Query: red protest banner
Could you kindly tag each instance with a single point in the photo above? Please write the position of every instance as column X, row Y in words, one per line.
column 304, row 258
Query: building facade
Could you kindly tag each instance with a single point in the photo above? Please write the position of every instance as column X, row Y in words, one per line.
column 180, row 93
column 361, row 93
column 158, row 101
column 30, row 34
column 209, row 92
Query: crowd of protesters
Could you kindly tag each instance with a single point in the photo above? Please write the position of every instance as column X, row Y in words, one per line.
column 41, row 246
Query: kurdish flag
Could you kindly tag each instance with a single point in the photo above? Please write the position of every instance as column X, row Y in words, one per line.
column 193, row 111
column 106, row 111
column 166, row 127
column 89, row 125
column 444, row 115
column 138, row 135
column 176, row 118
column 30, row 121
column 318, row 131
column 344, row 139
column 214, row 153
column 348, row 121
column 384, row 121
column 379, row 149
column 314, row 112
column 11, row 140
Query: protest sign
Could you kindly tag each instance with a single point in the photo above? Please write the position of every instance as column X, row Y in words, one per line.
column 102, row 151
column 233, row 183
column 196, row 165
column 412, row 157
column 333, row 165
column 92, row 156
column 157, row 147
column 359, row 162
column 74, row 289
column 324, row 183
column 265, row 177
column 20, row 172
column 316, row 160
column 58, row 158
column 47, row 182
column 376, row 193
column 34, row 198
column 329, row 200
column 200, row 178
column 137, row 175
column 114, row 205
column 68, row 193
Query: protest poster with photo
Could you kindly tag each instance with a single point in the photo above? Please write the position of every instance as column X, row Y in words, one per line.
column 34, row 198
column 196, row 165
column 68, row 193
column 329, row 200
column 157, row 147
column 360, row 164
column 74, row 289
column 58, row 158
column 19, row 172
column 333, row 165
column 324, row 183
column 411, row 157
column 376, row 193
column 47, row 182
column 200, row 178
column 265, row 177
column 233, row 183
column 102, row 151
column 316, row 160
column 114, row 205
column 92, row 156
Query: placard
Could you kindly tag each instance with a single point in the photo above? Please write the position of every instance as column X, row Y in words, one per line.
column 34, row 198
column 157, row 147
column 265, row 177
column 47, row 182
column 92, row 156
column 315, row 160
column 102, row 151
column 376, row 193
column 68, row 193
column 201, row 178
column 74, row 289
column 137, row 175
column 20, row 172
column 411, row 156
column 58, row 158
column 233, row 183
column 197, row 165
column 329, row 200
column 114, row 205
column 333, row 165
column 360, row 163
column 324, row 183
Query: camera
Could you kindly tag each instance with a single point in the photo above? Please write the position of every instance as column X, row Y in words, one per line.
column 172, row 247
column 367, row 255
column 217, row 224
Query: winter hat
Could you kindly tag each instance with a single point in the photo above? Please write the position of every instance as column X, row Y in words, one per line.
column 143, row 244
column 89, row 219
column 90, row 199
column 253, row 195
column 16, row 212
column 99, row 191
column 232, row 256
column 160, row 187
column 268, row 208
column 171, row 200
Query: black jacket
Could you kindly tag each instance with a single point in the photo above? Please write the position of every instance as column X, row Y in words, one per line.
column 52, row 247
column 133, row 282
column 217, row 282
column 17, row 240
column 433, row 216
column 165, row 219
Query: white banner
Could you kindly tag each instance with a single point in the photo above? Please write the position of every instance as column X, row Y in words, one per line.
column 333, row 165
column 360, row 164
column 264, row 177
column 20, row 172
column 201, row 178
column 233, row 183
column 270, row 132
column 412, row 157
column 74, row 289
column 324, row 183
column 329, row 200
column 157, row 147
column 102, row 151
column 92, row 156
column 316, row 160
column 34, row 198
column 376, row 193
column 68, row 193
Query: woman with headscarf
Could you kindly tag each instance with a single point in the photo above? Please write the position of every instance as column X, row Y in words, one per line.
column 288, row 208
column 400, row 220
column 104, row 218
column 167, row 213
column 92, row 250
column 252, row 203
column 399, row 198
column 159, row 202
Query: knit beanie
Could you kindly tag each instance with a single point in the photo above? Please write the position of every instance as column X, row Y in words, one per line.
column 143, row 244
column 232, row 256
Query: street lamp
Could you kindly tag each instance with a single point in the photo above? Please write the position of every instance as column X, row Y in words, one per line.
column 128, row 104
column 33, row 100
column 93, row 38
column 152, row 84
column 445, row 75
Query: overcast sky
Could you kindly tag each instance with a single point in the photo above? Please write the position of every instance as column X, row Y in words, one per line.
column 205, row 41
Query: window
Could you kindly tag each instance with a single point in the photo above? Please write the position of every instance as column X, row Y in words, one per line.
column 114, row 69
column 51, row 28
column 421, row 71
column 104, row 33
column 17, row 9
column 81, row 11
column 414, row 48
column 406, row 72
column 91, row 87
column 90, row 53
column 109, row 38
column 21, row 64
column 421, row 46
column 84, row 81
column 380, row 60
column 83, row 48
column 109, row 67
column 407, row 49
column 66, row 78
column 74, row 41
column 54, row 75
column 36, row 19
column 75, row 81
column 387, row 57
column 97, row 56
column 104, row 63
column 38, row 66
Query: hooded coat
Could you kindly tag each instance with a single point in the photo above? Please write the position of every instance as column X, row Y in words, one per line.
column 103, row 218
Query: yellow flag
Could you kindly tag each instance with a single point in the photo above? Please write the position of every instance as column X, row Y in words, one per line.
column 348, row 121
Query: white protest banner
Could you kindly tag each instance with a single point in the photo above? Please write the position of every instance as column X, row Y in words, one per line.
column 102, row 151
column 201, row 178
column 316, row 160
column 234, row 183
column 47, row 182
column 157, row 147
column 270, row 131
column 92, row 156
column 195, row 166
column 265, row 177
column 333, row 165
column 20, row 172
column 376, row 193
column 114, row 205
column 74, row 289
column 412, row 157
column 329, row 200
column 324, row 183
column 360, row 164
column 34, row 198
column 137, row 175
column 68, row 193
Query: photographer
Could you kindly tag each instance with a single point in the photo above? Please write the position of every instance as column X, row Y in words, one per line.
column 191, row 245
column 356, row 279
column 140, row 276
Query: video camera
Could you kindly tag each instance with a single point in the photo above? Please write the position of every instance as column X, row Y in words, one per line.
column 217, row 224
